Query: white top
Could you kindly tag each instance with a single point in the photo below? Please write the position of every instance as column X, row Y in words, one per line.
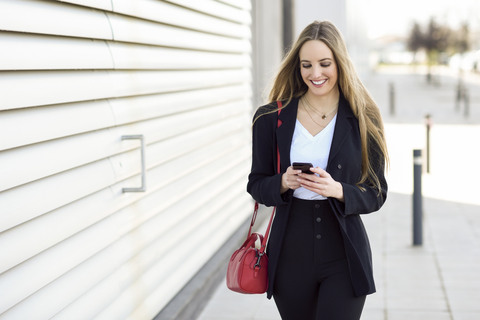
column 312, row 149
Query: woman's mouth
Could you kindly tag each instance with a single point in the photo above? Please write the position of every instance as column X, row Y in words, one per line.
column 318, row 83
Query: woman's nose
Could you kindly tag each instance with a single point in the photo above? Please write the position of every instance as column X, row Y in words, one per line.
column 317, row 72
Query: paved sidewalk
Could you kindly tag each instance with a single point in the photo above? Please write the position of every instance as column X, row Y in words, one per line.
column 437, row 281
column 441, row 279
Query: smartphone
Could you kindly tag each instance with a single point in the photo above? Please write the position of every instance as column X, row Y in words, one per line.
column 304, row 166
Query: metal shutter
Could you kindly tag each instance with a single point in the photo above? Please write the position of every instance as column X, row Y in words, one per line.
column 75, row 76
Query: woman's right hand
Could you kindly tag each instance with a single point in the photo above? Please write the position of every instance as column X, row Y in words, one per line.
column 289, row 180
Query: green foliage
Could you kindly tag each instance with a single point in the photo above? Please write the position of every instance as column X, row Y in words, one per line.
column 436, row 38
column 415, row 40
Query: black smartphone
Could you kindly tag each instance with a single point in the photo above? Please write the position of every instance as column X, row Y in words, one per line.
column 304, row 166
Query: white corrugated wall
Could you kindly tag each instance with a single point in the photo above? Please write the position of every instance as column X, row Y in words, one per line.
column 75, row 76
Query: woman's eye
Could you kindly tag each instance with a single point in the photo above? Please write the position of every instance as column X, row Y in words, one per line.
column 325, row 65
column 306, row 66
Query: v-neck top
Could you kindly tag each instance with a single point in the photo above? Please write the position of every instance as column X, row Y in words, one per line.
column 312, row 149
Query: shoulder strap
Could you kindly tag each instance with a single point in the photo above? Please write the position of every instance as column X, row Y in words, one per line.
column 279, row 122
column 267, row 232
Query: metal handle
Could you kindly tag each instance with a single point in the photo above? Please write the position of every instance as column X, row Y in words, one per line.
column 143, row 188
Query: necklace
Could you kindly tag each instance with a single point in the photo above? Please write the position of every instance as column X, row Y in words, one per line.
column 311, row 115
column 325, row 115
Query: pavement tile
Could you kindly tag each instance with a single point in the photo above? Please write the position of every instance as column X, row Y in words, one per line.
column 375, row 301
column 466, row 315
column 418, row 315
column 465, row 304
column 267, row 310
column 373, row 314
column 417, row 292
column 463, row 294
column 416, row 303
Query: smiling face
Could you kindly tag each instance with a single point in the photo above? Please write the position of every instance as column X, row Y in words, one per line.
column 318, row 68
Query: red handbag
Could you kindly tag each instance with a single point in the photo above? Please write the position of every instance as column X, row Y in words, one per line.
column 247, row 270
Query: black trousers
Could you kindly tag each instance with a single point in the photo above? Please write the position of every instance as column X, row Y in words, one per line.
column 312, row 281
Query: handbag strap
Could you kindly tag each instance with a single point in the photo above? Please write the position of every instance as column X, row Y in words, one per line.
column 267, row 232
column 255, row 210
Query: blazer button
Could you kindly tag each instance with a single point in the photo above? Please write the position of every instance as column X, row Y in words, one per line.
column 318, row 236
column 339, row 166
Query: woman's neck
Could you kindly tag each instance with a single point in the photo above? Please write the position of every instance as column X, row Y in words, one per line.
column 324, row 102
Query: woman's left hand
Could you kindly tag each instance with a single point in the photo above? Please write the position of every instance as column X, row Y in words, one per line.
column 323, row 184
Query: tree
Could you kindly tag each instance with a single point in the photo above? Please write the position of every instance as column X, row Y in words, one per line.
column 461, row 45
column 436, row 40
column 462, row 40
column 415, row 39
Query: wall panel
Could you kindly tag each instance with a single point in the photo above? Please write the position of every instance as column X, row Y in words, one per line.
column 55, row 18
column 77, row 75
column 148, row 32
column 53, row 87
column 99, row 4
column 167, row 13
column 135, row 56
column 242, row 4
column 62, row 120
column 72, row 218
column 217, row 9
column 52, row 52
column 43, row 159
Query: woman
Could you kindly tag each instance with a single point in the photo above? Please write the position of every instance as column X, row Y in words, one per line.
column 320, row 264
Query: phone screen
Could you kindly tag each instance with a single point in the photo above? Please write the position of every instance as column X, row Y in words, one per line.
column 304, row 166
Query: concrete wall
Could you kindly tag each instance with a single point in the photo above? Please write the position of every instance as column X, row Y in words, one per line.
column 267, row 46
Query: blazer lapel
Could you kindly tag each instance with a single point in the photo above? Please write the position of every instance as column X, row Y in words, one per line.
column 284, row 133
column 288, row 116
column 342, row 127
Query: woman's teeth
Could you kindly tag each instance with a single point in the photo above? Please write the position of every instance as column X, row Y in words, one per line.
column 319, row 82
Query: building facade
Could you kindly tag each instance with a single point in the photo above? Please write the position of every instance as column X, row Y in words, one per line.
column 78, row 79
column 97, row 94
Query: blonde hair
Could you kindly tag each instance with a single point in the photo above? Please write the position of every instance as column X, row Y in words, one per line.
column 288, row 84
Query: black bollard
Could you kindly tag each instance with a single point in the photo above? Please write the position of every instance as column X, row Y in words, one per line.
column 459, row 95
column 466, row 98
column 428, row 122
column 392, row 98
column 417, row 198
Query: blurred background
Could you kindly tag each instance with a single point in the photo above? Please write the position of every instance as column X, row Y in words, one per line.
column 126, row 140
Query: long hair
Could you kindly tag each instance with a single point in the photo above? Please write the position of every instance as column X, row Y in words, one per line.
column 288, row 84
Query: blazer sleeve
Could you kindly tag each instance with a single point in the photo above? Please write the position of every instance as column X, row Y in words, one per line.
column 368, row 201
column 263, row 181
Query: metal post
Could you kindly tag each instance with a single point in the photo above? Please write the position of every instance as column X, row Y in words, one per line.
column 458, row 96
column 428, row 122
column 392, row 98
column 466, row 98
column 417, row 198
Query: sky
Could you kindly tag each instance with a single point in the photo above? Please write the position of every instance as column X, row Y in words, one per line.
column 395, row 17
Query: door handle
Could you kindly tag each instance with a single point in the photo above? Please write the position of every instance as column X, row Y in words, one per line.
column 143, row 188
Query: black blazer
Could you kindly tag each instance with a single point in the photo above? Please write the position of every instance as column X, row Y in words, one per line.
column 344, row 165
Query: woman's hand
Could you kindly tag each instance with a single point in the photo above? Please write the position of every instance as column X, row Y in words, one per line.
column 323, row 184
column 289, row 180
